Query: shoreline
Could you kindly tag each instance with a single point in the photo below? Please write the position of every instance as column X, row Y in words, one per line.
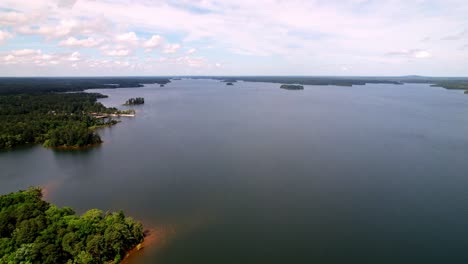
column 150, row 237
column 76, row 147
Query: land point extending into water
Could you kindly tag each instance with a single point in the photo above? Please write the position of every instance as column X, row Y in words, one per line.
column 35, row 231
column 55, row 120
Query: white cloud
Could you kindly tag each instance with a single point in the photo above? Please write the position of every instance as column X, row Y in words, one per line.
column 154, row 42
column 171, row 48
column 128, row 38
column 118, row 53
column 8, row 58
column 86, row 43
column 421, row 54
column 4, row 36
column 25, row 52
column 414, row 53
column 38, row 58
column 64, row 28
column 191, row 51
column 13, row 18
column 75, row 56
column 355, row 33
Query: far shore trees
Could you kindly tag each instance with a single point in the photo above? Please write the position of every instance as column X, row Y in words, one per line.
column 135, row 101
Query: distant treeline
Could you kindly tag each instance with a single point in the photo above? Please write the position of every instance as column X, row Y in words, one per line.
column 67, row 84
column 445, row 82
column 35, row 231
column 54, row 120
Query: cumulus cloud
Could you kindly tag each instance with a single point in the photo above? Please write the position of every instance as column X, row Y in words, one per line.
column 414, row 54
column 191, row 51
column 8, row 58
column 25, row 52
column 64, row 28
column 154, row 42
column 127, row 38
column 75, row 56
column 4, row 36
column 191, row 61
column 13, row 18
column 118, row 53
column 38, row 58
column 85, row 43
column 349, row 32
column 171, row 48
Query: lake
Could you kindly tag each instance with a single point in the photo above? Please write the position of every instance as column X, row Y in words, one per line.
column 252, row 173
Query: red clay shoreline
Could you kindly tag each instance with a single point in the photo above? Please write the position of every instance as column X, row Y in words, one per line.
column 150, row 237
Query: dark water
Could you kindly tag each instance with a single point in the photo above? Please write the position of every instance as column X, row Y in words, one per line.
column 251, row 173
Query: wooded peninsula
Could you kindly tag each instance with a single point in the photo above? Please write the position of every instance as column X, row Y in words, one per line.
column 52, row 119
column 55, row 112
column 35, row 231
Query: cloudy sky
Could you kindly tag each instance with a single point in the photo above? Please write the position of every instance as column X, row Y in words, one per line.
column 235, row 37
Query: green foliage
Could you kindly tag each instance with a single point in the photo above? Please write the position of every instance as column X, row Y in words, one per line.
column 51, row 119
column 135, row 101
column 453, row 85
column 292, row 87
column 445, row 82
column 34, row 231
column 34, row 85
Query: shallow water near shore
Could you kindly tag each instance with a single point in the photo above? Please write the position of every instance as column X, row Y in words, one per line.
column 252, row 173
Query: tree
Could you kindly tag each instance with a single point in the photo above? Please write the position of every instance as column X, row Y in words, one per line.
column 34, row 231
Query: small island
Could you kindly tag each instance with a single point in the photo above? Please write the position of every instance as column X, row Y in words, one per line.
column 161, row 85
column 466, row 92
column 292, row 87
column 135, row 101
column 35, row 231
column 229, row 83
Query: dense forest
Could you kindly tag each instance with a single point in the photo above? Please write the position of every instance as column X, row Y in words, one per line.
column 135, row 101
column 54, row 112
column 51, row 119
column 35, row 231
column 11, row 85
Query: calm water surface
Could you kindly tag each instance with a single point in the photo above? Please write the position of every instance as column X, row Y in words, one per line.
column 251, row 173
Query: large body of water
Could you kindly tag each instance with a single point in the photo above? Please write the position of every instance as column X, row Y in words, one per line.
column 252, row 173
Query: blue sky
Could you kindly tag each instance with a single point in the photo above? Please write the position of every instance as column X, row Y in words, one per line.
column 241, row 37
